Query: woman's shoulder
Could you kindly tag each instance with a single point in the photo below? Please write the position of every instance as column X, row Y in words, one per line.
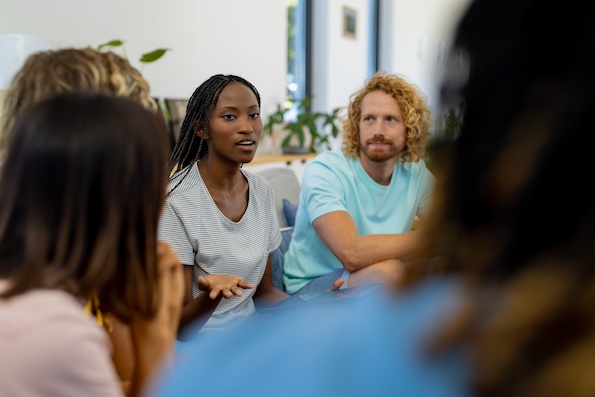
column 256, row 181
column 47, row 333
column 46, row 308
column 182, row 180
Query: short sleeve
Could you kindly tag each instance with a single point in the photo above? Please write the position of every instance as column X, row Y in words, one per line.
column 427, row 190
column 323, row 190
column 173, row 231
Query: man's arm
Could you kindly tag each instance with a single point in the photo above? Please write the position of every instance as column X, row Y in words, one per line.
column 339, row 232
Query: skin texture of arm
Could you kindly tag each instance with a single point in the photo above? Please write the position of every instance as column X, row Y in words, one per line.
column 339, row 232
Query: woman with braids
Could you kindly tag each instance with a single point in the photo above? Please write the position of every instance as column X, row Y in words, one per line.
column 513, row 219
column 219, row 218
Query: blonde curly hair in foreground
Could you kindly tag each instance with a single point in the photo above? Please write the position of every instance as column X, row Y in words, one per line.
column 413, row 105
column 48, row 73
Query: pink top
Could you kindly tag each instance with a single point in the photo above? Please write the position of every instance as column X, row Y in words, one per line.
column 50, row 347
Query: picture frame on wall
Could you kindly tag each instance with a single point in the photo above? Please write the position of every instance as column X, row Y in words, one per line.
column 349, row 22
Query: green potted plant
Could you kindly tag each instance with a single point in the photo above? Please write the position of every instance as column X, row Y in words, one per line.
column 308, row 133
column 445, row 135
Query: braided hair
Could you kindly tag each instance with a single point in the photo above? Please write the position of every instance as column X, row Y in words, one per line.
column 190, row 148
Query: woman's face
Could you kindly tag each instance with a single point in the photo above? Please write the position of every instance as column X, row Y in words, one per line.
column 235, row 126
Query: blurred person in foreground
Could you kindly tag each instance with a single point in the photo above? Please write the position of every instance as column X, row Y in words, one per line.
column 513, row 220
column 48, row 73
column 80, row 197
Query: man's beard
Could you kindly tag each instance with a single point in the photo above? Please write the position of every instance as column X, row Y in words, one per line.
column 379, row 155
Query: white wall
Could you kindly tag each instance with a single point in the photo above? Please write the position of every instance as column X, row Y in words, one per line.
column 247, row 38
column 415, row 36
column 340, row 64
column 415, row 39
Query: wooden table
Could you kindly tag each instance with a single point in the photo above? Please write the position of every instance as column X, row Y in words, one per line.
column 286, row 158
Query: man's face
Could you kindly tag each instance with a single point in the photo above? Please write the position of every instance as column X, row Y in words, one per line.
column 382, row 131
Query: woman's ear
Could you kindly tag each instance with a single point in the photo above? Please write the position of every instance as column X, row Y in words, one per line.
column 199, row 131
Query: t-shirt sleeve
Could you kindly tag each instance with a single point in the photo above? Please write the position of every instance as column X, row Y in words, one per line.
column 173, row 231
column 322, row 191
column 427, row 191
column 274, row 232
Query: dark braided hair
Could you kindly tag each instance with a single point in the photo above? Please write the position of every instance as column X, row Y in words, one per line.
column 189, row 148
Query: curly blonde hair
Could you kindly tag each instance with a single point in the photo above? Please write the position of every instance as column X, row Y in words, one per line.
column 413, row 105
column 47, row 73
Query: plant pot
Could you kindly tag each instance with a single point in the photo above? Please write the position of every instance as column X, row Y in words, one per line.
column 296, row 150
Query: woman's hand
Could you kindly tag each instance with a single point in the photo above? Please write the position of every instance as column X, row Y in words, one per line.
column 154, row 338
column 171, row 290
column 224, row 284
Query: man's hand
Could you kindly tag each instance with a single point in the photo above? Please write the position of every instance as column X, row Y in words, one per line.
column 224, row 284
column 337, row 284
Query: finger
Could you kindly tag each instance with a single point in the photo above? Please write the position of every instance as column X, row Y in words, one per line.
column 236, row 291
column 337, row 284
column 214, row 293
column 245, row 285
column 203, row 283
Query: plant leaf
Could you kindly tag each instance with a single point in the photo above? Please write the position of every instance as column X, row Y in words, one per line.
column 153, row 55
column 285, row 142
column 112, row 43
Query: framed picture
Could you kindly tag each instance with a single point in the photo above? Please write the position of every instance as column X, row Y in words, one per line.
column 349, row 22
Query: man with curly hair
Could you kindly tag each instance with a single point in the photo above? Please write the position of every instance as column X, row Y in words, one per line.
column 357, row 206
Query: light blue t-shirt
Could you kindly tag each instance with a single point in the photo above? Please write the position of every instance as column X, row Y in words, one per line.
column 334, row 182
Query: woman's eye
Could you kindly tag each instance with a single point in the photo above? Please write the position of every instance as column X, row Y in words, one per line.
column 228, row 117
column 254, row 115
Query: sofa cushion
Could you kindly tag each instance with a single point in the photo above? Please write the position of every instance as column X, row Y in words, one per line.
column 285, row 185
column 277, row 258
column 289, row 209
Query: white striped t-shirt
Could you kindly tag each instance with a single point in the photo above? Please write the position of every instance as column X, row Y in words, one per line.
column 207, row 240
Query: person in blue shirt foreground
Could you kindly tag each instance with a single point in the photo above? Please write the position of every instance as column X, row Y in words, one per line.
column 513, row 219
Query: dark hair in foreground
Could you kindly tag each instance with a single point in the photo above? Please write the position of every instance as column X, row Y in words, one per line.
column 81, row 193
column 189, row 147
column 515, row 212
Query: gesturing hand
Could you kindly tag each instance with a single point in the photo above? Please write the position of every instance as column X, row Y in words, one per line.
column 224, row 284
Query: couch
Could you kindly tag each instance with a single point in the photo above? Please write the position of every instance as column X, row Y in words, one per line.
column 286, row 188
